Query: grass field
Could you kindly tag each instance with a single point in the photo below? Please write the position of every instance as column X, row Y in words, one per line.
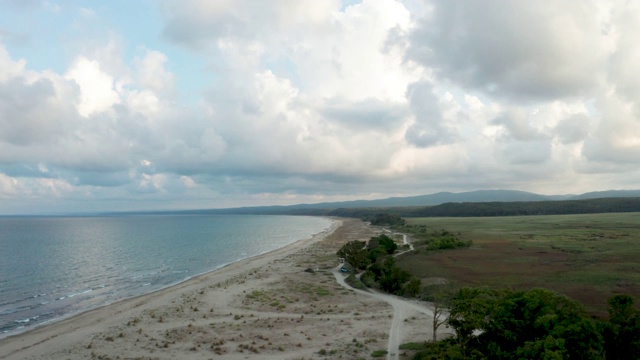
column 587, row 257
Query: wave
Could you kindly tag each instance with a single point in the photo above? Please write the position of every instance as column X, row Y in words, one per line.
column 80, row 293
column 27, row 320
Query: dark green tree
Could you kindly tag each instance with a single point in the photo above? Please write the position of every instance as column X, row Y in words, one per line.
column 535, row 324
column 539, row 322
column 355, row 253
column 469, row 308
column 412, row 287
column 380, row 246
column 622, row 332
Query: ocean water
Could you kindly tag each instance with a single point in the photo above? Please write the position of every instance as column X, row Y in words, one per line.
column 53, row 267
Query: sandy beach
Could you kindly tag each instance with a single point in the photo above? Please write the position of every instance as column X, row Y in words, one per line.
column 266, row 307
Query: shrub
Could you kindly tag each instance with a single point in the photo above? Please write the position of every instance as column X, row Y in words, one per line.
column 368, row 278
column 354, row 282
column 379, row 353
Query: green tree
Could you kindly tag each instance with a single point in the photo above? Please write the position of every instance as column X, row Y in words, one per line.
column 412, row 288
column 355, row 253
column 385, row 242
column 469, row 308
column 535, row 324
column 519, row 320
column 392, row 278
column 622, row 332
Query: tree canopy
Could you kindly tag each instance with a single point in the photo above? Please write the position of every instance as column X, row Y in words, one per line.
column 535, row 324
column 376, row 256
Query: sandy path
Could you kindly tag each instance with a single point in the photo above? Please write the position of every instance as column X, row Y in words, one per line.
column 403, row 309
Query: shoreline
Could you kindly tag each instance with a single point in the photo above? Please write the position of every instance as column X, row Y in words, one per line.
column 51, row 325
column 26, row 329
column 284, row 304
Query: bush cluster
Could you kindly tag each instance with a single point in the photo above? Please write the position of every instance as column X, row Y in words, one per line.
column 376, row 258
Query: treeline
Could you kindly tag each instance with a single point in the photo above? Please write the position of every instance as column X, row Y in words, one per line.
column 592, row 206
column 535, row 324
column 472, row 209
column 384, row 219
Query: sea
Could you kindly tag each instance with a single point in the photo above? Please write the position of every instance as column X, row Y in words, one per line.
column 54, row 267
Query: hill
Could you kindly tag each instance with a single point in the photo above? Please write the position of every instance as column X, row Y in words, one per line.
column 413, row 204
column 473, row 203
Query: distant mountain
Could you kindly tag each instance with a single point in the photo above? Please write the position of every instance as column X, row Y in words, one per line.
column 479, row 196
column 607, row 194
column 439, row 198
column 420, row 200
column 394, row 204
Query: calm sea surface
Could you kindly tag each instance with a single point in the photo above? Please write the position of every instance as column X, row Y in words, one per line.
column 52, row 267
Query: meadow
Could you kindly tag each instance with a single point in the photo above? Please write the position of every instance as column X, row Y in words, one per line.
column 588, row 257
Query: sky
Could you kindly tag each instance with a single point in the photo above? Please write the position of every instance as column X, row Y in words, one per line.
column 152, row 105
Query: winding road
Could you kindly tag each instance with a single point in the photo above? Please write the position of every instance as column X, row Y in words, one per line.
column 402, row 309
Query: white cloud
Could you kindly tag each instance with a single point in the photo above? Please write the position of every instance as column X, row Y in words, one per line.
column 97, row 92
column 151, row 72
column 615, row 142
column 525, row 50
column 10, row 68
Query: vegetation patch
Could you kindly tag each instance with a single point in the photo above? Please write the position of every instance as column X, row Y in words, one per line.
column 414, row 346
column 355, row 283
column 379, row 353
column 322, row 291
column 376, row 258
column 587, row 257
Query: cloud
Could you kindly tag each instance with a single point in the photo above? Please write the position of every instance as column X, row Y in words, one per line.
column 615, row 142
column 516, row 124
column 96, row 87
column 321, row 100
column 200, row 24
column 87, row 130
column 573, row 129
column 427, row 129
column 625, row 58
column 322, row 50
column 151, row 72
column 521, row 50
column 367, row 114
column 22, row 123
column 10, row 68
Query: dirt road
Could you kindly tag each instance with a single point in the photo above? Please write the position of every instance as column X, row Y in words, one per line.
column 402, row 309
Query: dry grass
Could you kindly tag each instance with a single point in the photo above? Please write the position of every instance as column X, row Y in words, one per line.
column 587, row 257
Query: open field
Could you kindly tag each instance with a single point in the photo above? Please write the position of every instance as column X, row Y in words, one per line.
column 587, row 257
